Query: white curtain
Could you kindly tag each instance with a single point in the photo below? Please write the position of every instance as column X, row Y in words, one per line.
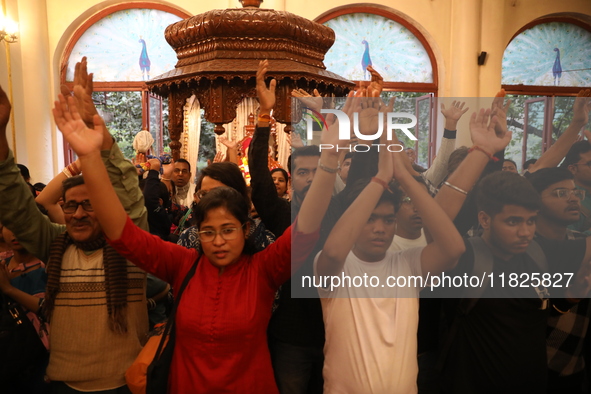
column 191, row 132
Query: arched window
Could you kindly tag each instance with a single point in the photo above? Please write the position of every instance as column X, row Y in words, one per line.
column 400, row 53
column 125, row 46
column 545, row 64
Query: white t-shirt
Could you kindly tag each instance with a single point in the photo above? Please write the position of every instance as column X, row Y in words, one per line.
column 371, row 343
column 399, row 243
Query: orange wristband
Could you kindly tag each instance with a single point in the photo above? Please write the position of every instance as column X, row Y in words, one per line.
column 265, row 118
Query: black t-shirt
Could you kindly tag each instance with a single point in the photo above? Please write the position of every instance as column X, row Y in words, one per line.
column 500, row 346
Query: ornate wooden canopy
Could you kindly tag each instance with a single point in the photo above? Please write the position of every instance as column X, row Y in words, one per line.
column 218, row 54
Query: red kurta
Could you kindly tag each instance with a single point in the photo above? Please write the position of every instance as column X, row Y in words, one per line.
column 221, row 322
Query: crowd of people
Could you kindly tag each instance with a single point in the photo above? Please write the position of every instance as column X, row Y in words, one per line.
column 97, row 257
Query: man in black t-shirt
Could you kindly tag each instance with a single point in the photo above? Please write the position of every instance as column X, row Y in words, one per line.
column 567, row 329
column 499, row 344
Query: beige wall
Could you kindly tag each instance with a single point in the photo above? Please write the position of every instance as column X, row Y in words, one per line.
column 457, row 31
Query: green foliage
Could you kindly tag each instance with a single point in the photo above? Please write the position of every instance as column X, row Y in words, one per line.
column 206, row 142
column 165, row 132
column 559, row 109
column 122, row 112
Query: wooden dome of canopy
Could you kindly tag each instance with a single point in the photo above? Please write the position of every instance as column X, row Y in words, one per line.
column 218, row 55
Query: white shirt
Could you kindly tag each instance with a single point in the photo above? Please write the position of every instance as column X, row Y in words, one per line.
column 399, row 243
column 371, row 343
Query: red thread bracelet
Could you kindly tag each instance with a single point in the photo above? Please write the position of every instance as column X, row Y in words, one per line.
column 491, row 157
column 382, row 183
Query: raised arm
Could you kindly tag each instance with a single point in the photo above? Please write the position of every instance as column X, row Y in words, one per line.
column 348, row 228
column 50, row 196
column 486, row 142
column 554, row 155
column 19, row 210
column 231, row 152
column 122, row 173
column 438, row 170
column 318, row 197
column 82, row 93
column 274, row 211
column 447, row 245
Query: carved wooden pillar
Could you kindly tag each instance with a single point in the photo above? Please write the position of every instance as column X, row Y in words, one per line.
column 176, row 104
column 282, row 111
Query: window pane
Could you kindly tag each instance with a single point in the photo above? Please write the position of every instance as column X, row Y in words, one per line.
column 423, row 125
column 549, row 54
column 122, row 112
column 364, row 39
column 515, row 123
column 206, row 141
column 535, row 129
column 155, row 118
column 127, row 45
column 563, row 115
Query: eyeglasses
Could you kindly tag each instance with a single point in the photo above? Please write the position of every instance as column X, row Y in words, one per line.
column 227, row 234
column 566, row 193
column 406, row 200
column 72, row 206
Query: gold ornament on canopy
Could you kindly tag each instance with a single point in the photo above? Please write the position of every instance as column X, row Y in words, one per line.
column 218, row 54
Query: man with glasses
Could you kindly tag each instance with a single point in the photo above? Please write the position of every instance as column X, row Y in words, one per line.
column 95, row 300
column 578, row 162
column 561, row 206
column 183, row 187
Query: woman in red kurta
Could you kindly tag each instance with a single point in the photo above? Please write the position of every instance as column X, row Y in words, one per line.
column 221, row 343
column 222, row 318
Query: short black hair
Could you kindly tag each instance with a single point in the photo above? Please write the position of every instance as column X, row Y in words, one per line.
column 528, row 163
column 502, row 188
column 574, row 153
column 184, row 161
column 69, row 183
column 227, row 173
column 24, row 171
column 39, row 186
column 510, row 161
column 546, row 177
column 308, row 150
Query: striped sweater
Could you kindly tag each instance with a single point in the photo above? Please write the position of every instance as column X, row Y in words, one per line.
column 85, row 353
